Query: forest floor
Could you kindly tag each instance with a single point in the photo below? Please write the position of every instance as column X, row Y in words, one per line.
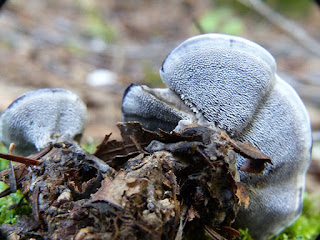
column 59, row 43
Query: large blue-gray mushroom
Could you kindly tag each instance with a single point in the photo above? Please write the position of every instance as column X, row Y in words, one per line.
column 231, row 83
column 38, row 118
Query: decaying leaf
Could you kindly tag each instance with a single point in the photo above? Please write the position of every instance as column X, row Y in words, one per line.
column 134, row 140
column 213, row 234
column 161, row 186
column 243, row 194
column 255, row 159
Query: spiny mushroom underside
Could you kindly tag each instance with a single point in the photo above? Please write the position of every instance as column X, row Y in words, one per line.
column 160, row 186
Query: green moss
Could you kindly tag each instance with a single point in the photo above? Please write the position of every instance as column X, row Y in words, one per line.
column 245, row 234
column 9, row 214
column 307, row 226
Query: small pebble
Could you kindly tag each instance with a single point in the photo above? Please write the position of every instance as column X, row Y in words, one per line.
column 101, row 77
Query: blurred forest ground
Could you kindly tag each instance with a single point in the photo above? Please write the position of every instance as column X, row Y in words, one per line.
column 58, row 43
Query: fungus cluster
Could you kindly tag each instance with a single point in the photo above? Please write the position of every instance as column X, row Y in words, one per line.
column 224, row 82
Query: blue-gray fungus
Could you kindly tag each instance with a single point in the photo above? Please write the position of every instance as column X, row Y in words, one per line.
column 40, row 117
column 231, row 83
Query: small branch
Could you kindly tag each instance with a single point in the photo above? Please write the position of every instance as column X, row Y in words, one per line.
column 289, row 27
column 15, row 158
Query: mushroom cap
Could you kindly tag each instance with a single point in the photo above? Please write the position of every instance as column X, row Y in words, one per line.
column 37, row 118
column 224, row 77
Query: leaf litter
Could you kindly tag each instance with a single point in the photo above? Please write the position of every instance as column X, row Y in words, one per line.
column 150, row 185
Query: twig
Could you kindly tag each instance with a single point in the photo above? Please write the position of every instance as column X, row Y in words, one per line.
column 15, row 158
column 289, row 27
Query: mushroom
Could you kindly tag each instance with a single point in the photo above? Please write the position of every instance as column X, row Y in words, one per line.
column 231, row 83
column 154, row 108
column 40, row 117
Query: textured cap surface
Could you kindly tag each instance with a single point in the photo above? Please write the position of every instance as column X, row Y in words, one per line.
column 36, row 118
column 231, row 74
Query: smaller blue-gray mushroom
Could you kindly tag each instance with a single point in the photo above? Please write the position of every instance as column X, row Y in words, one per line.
column 40, row 117
column 231, row 83
column 154, row 108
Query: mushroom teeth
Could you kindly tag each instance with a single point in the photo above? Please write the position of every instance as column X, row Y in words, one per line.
column 231, row 74
column 37, row 118
column 154, row 108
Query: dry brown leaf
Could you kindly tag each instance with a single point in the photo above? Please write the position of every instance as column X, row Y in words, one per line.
column 112, row 190
column 255, row 159
column 243, row 194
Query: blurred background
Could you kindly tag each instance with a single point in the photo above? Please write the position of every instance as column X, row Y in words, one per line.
column 97, row 48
